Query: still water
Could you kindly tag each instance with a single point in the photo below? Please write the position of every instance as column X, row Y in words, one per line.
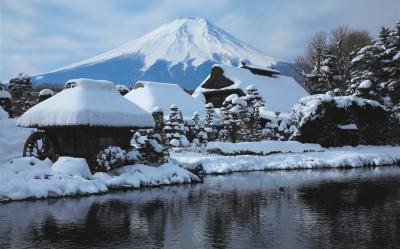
column 354, row 208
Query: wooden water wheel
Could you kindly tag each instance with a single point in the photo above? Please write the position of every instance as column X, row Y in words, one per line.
column 39, row 145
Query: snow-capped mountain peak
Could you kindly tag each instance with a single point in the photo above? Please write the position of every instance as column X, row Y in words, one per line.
column 188, row 40
column 181, row 51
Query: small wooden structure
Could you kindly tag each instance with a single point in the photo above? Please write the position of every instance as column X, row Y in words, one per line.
column 82, row 120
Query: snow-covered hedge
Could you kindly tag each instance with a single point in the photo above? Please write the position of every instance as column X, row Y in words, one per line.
column 329, row 158
column 260, row 148
column 319, row 118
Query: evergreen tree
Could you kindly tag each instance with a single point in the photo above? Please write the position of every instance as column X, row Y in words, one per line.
column 376, row 69
column 20, row 88
column 199, row 136
column 158, row 116
column 210, row 122
column 254, row 103
column 175, row 129
column 223, row 134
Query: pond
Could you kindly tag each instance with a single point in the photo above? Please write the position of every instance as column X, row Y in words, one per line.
column 347, row 208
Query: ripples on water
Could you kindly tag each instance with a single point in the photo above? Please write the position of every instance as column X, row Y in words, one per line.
column 357, row 208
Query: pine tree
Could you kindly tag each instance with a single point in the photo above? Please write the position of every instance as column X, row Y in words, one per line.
column 254, row 103
column 376, row 70
column 223, row 134
column 199, row 136
column 210, row 122
column 256, row 131
column 175, row 129
column 158, row 116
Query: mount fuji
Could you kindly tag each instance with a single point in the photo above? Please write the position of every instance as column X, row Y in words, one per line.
column 181, row 51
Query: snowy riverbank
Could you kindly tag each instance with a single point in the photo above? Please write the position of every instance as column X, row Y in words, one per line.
column 328, row 158
column 25, row 178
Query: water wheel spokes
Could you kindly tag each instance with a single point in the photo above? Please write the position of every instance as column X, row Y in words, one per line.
column 39, row 145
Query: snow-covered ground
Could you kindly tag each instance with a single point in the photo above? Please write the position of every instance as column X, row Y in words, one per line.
column 333, row 157
column 24, row 178
column 261, row 147
column 12, row 139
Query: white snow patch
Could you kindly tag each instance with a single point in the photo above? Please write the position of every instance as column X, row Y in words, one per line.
column 72, row 166
column 12, row 139
column 31, row 178
column 5, row 94
column 366, row 84
column 3, row 114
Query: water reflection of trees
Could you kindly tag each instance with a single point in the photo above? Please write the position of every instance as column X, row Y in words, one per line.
column 220, row 213
column 338, row 214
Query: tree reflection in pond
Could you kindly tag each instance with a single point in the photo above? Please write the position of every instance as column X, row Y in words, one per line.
column 282, row 209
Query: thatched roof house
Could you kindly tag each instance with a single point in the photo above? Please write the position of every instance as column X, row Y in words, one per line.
column 82, row 120
column 279, row 92
column 148, row 95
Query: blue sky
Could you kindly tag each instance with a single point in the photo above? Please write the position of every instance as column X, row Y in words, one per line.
column 38, row 36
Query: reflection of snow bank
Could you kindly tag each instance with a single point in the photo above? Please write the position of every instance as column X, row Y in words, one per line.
column 31, row 178
column 333, row 157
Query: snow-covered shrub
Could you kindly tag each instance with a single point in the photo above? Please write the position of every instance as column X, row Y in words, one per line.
column 150, row 147
column 211, row 122
column 110, row 158
column 278, row 127
column 45, row 94
column 122, row 89
column 196, row 135
column 338, row 120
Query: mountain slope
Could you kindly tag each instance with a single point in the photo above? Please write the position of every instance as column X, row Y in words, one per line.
column 181, row 51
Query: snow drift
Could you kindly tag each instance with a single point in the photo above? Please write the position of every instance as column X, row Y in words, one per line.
column 29, row 177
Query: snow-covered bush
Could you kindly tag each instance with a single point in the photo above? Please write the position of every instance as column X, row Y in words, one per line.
column 338, row 120
column 278, row 127
column 110, row 158
column 196, row 135
column 150, row 147
column 122, row 89
column 45, row 94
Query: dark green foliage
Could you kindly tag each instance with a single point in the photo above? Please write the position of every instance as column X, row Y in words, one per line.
column 325, row 122
column 378, row 64
column 23, row 97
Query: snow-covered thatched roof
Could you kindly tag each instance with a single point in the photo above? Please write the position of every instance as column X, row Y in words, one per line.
column 280, row 93
column 90, row 102
column 46, row 92
column 148, row 95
